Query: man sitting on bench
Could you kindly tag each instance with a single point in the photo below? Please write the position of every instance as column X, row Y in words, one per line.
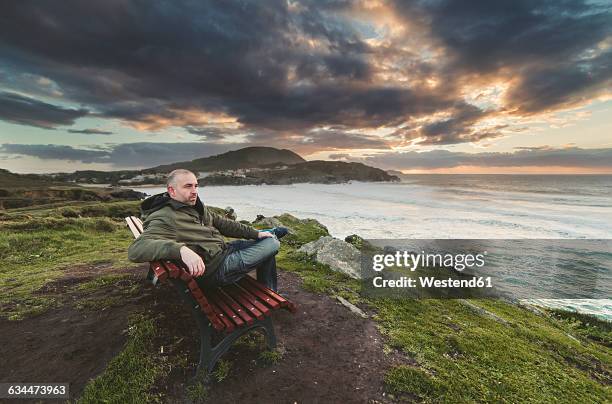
column 178, row 226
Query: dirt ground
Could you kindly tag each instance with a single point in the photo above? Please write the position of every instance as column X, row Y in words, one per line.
column 329, row 354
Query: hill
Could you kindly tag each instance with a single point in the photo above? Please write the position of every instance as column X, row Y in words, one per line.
column 317, row 171
column 10, row 180
column 25, row 190
column 248, row 157
column 250, row 165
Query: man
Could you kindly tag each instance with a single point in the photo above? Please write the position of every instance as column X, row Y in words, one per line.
column 177, row 226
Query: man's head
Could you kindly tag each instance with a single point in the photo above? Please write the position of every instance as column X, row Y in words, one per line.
column 182, row 186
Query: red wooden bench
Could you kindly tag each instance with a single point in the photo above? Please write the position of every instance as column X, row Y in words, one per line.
column 231, row 310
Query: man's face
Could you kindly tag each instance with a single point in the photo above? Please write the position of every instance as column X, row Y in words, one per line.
column 185, row 189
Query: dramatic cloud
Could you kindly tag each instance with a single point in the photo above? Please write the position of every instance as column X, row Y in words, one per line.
column 423, row 72
column 90, row 131
column 126, row 155
column 533, row 157
column 52, row 151
column 556, row 52
column 22, row 110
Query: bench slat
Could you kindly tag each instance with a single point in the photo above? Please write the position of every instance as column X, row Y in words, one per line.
column 229, row 313
column 283, row 302
column 229, row 325
column 245, row 303
column 241, row 311
column 133, row 227
column 138, row 223
column 261, row 295
column 252, row 299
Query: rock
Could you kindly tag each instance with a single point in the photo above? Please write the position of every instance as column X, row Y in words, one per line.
column 267, row 222
column 287, row 218
column 354, row 240
column 339, row 255
column 352, row 307
column 229, row 213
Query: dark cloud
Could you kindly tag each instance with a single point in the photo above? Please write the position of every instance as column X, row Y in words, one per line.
column 90, row 131
column 22, row 110
column 147, row 62
column 537, row 157
column 208, row 133
column 339, row 156
column 53, row 151
column 126, row 155
column 457, row 129
column 286, row 69
column 548, row 47
column 565, row 84
column 146, row 154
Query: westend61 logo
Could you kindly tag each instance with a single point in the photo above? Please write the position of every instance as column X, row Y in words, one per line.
column 413, row 261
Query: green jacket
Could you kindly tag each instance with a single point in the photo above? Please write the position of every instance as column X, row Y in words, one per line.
column 169, row 225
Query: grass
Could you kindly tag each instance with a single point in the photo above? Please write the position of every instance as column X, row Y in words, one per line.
column 197, row 392
column 586, row 325
column 456, row 353
column 222, row 370
column 269, row 358
column 36, row 249
column 130, row 376
column 464, row 356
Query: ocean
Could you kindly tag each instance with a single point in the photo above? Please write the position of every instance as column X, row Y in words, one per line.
column 443, row 207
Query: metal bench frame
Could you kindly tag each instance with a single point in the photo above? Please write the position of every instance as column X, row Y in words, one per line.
column 209, row 354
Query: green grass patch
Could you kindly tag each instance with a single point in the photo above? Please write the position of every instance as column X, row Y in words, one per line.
column 303, row 230
column 222, row 370
column 462, row 355
column 587, row 326
column 102, row 282
column 130, row 376
column 317, row 278
column 197, row 392
column 270, row 357
column 466, row 357
column 35, row 251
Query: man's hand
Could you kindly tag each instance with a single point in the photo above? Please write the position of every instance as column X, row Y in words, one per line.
column 264, row 234
column 193, row 261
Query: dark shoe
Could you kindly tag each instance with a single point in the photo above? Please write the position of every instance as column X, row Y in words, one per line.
column 279, row 232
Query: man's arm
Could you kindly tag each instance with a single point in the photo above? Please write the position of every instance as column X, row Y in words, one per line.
column 156, row 242
column 231, row 228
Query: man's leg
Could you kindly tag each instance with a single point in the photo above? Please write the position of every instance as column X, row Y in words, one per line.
column 246, row 255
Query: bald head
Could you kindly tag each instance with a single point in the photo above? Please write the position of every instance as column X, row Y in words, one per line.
column 182, row 186
column 171, row 180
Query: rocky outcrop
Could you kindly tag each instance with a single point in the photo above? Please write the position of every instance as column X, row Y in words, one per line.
column 339, row 255
column 268, row 222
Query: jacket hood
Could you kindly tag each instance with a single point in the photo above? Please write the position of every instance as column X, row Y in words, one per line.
column 156, row 202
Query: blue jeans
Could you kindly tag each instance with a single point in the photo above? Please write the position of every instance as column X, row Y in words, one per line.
column 246, row 255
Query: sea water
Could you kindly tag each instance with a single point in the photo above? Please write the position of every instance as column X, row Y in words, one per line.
column 442, row 207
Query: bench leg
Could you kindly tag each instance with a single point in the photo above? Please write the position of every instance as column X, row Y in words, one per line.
column 209, row 355
column 269, row 331
column 204, row 327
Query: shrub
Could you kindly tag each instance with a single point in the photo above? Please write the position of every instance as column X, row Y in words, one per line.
column 70, row 212
column 105, row 225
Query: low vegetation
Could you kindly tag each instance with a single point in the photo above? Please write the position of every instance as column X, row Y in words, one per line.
column 130, row 376
column 448, row 351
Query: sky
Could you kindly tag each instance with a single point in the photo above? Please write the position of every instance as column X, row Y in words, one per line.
column 440, row 86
